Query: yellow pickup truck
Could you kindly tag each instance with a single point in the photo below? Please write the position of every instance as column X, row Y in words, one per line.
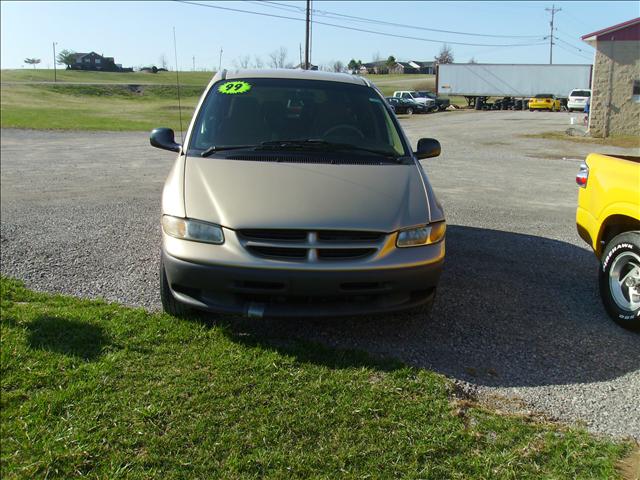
column 608, row 219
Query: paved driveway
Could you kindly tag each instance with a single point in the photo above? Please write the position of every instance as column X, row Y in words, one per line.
column 517, row 312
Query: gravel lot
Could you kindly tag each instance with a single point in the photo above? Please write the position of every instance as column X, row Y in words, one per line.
column 517, row 312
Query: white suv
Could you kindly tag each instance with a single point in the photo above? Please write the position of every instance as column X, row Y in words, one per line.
column 578, row 99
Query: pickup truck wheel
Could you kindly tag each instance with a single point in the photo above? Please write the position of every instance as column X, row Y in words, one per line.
column 409, row 111
column 620, row 279
column 169, row 303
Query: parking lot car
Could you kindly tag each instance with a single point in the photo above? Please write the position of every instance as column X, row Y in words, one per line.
column 545, row 101
column 407, row 106
column 578, row 99
column 441, row 102
column 608, row 219
column 430, row 103
column 296, row 193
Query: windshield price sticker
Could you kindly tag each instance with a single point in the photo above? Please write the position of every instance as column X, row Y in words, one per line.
column 233, row 88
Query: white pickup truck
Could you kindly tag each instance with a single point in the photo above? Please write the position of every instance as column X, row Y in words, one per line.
column 413, row 95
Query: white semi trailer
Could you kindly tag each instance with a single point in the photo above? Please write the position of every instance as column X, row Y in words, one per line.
column 479, row 81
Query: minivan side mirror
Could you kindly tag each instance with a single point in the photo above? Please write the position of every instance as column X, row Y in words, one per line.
column 164, row 138
column 427, row 148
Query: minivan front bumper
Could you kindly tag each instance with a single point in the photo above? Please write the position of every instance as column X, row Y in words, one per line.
column 282, row 290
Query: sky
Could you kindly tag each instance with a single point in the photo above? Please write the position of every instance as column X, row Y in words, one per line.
column 141, row 33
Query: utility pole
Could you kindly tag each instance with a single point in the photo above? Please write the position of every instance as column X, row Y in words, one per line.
column 310, row 31
column 306, row 43
column 553, row 11
column 220, row 61
column 55, row 76
column 194, row 63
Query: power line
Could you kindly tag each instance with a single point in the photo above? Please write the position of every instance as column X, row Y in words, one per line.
column 576, row 20
column 587, row 51
column 572, row 52
column 375, row 32
column 278, row 6
column 568, row 44
column 576, row 48
column 382, row 22
column 491, row 50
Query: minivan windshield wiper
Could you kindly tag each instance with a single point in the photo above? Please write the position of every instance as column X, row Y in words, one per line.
column 214, row 148
column 324, row 145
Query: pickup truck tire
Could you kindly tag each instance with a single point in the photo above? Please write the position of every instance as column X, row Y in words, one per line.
column 169, row 303
column 409, row 111
column 620, row 279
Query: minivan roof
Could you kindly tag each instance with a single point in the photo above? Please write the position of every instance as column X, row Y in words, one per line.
column 291, row 73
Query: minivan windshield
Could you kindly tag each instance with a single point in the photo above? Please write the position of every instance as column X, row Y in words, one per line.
column 255, row 112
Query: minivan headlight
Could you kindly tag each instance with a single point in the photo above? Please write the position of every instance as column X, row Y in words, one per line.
column 195, row 230
column 424, row 235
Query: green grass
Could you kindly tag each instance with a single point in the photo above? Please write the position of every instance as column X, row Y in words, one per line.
column 127, row 107
column 391, row 83
column 395, row 81
column 101, row 391
column 624, row 141
column 91, row 107
column 97, row 107
column 169, row 78
column 75, row 76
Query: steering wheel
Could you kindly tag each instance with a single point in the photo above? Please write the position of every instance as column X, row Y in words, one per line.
column 343, row 126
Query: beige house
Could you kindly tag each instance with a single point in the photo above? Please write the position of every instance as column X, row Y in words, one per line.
column 615, row 86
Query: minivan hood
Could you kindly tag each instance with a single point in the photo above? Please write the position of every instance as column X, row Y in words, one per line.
column 248, row 194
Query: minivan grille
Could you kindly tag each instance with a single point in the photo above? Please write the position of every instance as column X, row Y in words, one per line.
column 310, row 246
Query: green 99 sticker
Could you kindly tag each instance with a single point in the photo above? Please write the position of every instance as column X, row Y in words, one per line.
column 233, row 88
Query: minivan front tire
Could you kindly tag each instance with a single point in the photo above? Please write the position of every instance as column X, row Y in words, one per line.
column 169, row 303
column 621, row 260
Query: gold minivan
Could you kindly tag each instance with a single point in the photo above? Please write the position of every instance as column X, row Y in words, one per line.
column 296, row 193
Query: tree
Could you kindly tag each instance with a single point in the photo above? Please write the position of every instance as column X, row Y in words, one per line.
column 391, row 61
column 32, row 61
column 445, row 55
column 472, row 60
column 278, row 58
column 163, row 61
column 257, row 62
column 66, row 57
column 338, row 66
column 376, row 57
column 242, row 62
column 354, row 65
